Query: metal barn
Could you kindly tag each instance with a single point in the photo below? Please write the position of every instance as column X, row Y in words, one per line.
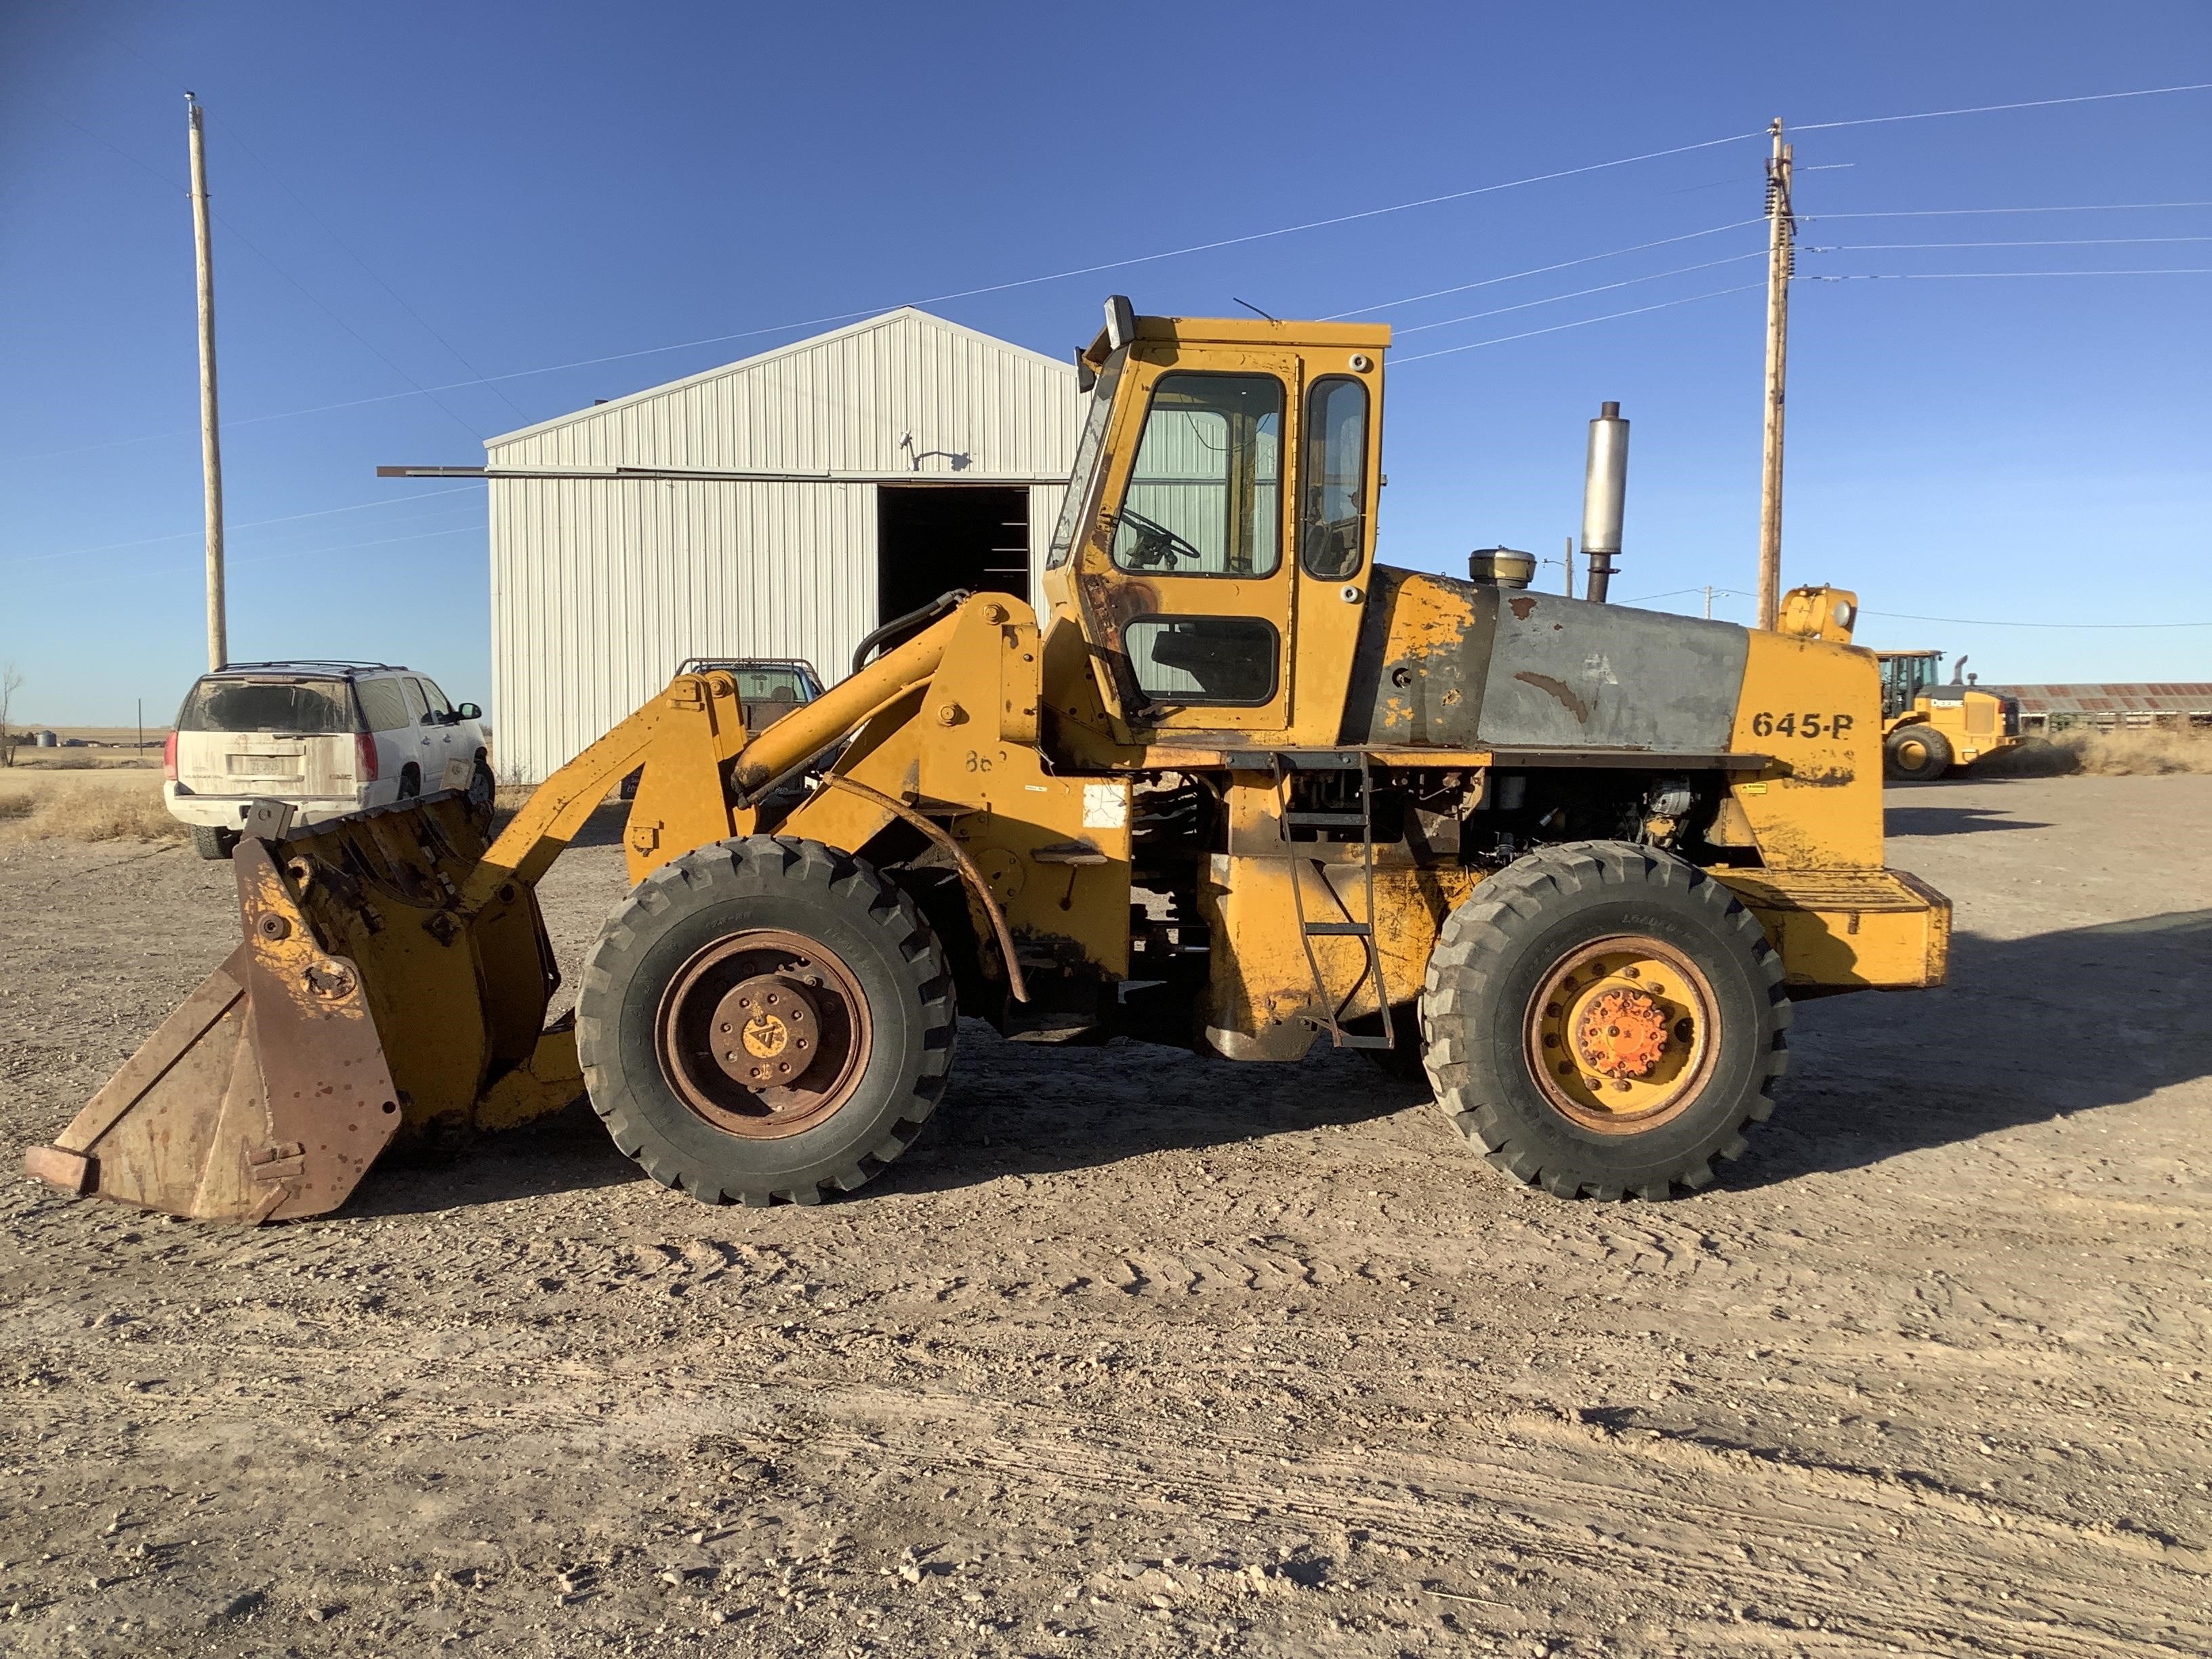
column 903, row 456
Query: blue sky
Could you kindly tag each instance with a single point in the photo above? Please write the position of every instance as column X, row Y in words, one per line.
column 417, row 196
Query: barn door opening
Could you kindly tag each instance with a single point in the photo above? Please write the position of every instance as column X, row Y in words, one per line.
column 933, row 537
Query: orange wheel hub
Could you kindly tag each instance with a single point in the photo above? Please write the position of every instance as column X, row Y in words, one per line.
column 1622, row 1033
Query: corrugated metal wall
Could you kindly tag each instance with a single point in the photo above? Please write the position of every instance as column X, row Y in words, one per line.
column 600, row 587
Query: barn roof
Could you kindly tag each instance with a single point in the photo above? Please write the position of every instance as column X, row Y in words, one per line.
column 902, row 316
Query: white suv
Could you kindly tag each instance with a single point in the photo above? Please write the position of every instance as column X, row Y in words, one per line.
column 328, row 738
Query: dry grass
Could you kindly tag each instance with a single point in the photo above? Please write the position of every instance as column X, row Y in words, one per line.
column 2145, row 753
column 123, row 805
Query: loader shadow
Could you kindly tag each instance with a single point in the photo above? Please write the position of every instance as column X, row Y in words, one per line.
column 567, row 1152
column 2028, row 1030
column 602, row 828
column 1015, row 1109
column 1952, row 820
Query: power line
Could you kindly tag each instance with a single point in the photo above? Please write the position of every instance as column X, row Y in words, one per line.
column 962, row 293
column 1170, row 254
column 2063, row 241
column 251, row 523
column 1949, row 213
column 351, row 547
column 1957, row 276
column 248, row 244
column 400, row 298
column 428, row 392
column 1991, row 109
column 1584, row 323
column 1904, row 615
column 1539, row 270
column 1603, row 288
column 1982, row 621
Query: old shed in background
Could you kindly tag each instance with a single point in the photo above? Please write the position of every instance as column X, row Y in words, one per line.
column 946, row 451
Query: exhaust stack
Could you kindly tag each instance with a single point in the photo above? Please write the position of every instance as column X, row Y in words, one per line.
column 1605, row 489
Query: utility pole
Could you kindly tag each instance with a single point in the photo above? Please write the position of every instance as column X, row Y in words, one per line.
column 1709, row 601
column 1569, row 562
column 210, row 433
column 1781, row 262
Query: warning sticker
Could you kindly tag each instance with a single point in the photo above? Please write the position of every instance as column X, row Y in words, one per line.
column 1105, row 806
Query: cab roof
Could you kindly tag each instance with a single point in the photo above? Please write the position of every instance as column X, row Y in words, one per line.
column 1251, row 330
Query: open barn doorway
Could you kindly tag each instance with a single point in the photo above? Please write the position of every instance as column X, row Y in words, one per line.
column 930, row 539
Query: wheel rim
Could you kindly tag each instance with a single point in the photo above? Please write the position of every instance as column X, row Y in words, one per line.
column 1622, row 1033
column 763, row 1034
column 1912, row 754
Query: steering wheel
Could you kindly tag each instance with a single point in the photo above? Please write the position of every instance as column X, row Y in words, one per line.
column 1156, row 544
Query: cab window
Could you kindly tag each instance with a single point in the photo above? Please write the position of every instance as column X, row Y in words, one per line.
column 1220, row 661
column 1333, row 482
column 417, row 710
column 1205, row 493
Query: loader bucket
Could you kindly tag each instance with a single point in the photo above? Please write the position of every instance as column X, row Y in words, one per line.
column 366, row 1004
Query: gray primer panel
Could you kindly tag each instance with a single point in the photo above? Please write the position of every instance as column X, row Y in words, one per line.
column 1567, row 672
column 1541, row 671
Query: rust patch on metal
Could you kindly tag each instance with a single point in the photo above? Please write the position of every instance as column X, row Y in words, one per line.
column 1568, row 698
column 1522, row 606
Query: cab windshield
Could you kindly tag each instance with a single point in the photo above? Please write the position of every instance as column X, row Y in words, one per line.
column 1082, row 499
column 1903, row 679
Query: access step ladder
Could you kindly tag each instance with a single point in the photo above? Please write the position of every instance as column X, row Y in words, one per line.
column 1286, row 766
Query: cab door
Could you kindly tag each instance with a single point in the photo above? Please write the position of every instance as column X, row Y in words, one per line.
column 1186, row 580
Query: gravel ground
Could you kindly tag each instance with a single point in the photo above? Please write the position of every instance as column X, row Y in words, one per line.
column 1142, row 1354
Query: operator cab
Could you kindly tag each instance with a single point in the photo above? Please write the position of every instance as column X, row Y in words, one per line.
column 1905, row 675
column 1216, row 543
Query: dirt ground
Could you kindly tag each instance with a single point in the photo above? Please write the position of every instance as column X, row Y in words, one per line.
column 1144, row 1355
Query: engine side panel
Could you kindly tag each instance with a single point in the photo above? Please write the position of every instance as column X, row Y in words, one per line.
column 1454, row 665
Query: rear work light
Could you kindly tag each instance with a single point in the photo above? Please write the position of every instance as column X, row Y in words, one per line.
column 169, row 757
column 364, row 757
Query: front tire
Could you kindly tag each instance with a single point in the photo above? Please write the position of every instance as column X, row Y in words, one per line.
column 765, row 1019
column 1602, row 1019
column 212, row 842
column 1917, row 753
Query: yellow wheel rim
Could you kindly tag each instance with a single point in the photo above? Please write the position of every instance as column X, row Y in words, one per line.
column 1622, row 1033
column 1912, row 754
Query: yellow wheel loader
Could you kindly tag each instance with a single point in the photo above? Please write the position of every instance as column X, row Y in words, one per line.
column 1928, row 727
column 1241, row 789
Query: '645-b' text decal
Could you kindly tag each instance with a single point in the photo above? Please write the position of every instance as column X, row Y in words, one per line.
column 1812, row 725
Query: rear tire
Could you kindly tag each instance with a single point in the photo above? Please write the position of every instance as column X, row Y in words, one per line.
column 1917, row 753
column 484, row 798
column 1602, row 1019
column 212, row 842
column 855, row 1050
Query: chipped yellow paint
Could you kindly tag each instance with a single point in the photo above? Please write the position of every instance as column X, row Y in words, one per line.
column 1815, row 708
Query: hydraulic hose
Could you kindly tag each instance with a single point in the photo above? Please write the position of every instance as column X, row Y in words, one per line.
column 899, row 627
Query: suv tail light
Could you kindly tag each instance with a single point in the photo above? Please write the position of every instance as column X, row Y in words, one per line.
column 364, row 757
column 169, row 757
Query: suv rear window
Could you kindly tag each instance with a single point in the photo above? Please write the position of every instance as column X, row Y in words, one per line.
column 227, row 705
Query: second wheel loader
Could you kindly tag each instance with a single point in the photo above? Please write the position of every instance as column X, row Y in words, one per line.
column 1930, row 727
column 1240, row 788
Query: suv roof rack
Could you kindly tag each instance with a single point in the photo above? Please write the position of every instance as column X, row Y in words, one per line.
column 346, row 663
